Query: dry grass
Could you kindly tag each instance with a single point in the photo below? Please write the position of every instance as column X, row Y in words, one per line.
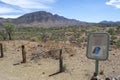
column 45, row 63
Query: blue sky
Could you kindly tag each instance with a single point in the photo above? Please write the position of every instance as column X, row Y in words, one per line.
column 83, row 10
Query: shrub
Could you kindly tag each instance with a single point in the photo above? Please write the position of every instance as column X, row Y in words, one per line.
column 9, row 28
column 118, row 43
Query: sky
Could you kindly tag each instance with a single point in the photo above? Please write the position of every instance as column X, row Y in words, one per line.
column 83, row 10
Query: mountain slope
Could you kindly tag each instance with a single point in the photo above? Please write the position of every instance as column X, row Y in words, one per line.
column 43, row 19
column 109, row 22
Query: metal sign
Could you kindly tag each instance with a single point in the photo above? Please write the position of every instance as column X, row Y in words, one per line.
column 98, row 46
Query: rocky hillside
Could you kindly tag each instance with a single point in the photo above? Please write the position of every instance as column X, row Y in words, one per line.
column 42, row 19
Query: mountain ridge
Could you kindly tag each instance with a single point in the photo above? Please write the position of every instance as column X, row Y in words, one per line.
column 109, row 22
column 42, row 19
column 47, row 19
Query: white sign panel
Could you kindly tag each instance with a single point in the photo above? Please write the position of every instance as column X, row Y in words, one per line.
column 98, row 45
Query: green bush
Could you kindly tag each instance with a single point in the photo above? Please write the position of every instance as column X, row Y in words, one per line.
column 118, row 43
column 111, row 31
column 9, row 28
column 3, row 35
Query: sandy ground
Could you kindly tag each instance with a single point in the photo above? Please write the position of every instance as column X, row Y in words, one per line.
column 78, row 67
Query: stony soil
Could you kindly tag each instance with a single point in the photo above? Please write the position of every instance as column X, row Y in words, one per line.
column 40, row 64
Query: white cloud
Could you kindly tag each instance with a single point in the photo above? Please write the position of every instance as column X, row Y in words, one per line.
column 4, row 10
column 10, row 16
column 22, row 6
column 115, row 3
column 29, row 4
column 48, row 1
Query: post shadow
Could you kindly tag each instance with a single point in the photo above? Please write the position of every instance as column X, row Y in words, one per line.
column 61, row 68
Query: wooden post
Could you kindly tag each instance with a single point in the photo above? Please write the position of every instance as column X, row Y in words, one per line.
column 61, row 69
column 1, row 49
column 23, row 54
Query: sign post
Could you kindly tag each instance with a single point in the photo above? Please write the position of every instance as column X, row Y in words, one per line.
column 97, row 66
column 97, row 48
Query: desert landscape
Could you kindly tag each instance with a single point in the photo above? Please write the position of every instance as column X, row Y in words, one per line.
column 39, row 67
column 59, row 40
column 46, row 46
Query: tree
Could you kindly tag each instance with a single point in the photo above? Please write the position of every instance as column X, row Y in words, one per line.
column 9, row 28
column 3, row 34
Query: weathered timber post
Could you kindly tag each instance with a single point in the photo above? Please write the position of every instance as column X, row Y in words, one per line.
column 23, row 54
column 1, row 49
column 61, row 69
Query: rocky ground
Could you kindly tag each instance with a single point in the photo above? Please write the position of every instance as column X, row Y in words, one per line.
column 42, row 60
